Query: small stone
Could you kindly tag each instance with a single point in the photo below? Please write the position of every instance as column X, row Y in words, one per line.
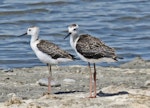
column 147, row 83
column 44, row 82
column 69, row 81
column 8, row 70
column 78, row 71
column 10, row 95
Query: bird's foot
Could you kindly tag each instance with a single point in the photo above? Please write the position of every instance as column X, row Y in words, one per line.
column 92, row 96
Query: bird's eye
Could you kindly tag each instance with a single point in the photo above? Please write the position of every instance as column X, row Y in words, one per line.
column 74, row 29
column 29, row 29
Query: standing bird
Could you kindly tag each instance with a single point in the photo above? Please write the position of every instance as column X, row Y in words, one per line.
column 47, row 52
column 91, row 50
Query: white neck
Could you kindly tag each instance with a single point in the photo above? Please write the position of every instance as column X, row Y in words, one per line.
column 73, row 39
column 34, row 38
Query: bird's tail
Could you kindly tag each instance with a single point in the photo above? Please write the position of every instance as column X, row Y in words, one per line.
column 74, row 57
column 118, row 57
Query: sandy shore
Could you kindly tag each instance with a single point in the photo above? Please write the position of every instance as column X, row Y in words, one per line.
column 127, row 86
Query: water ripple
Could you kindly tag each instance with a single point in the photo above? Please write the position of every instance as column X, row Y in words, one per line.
column 123, row 25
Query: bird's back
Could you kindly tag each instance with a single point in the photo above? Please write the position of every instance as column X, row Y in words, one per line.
column 53, row 50
column 93, row 48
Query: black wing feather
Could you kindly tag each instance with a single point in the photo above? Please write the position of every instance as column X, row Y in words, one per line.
column 92, row 48
column 53, row 50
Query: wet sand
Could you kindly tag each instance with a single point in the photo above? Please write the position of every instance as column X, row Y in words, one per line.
column 127, row 86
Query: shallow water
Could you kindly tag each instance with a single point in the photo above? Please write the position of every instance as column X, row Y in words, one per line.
column 122, row 24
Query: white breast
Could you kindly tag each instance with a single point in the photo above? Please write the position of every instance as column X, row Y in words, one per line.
column 43, row 57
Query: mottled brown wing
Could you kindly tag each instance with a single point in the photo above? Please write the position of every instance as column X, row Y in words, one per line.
column 53, row 50
column 92, row 48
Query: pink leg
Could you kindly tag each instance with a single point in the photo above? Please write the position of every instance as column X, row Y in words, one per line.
column 49, row 79
column 90, row 80
column 90, row 84
column 49, row 85
column 94, row 75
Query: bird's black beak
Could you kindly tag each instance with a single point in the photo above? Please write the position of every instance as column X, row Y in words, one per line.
column 67, row 35
column 22, row 35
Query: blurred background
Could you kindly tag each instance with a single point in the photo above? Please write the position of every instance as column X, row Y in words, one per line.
column 122, row 24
